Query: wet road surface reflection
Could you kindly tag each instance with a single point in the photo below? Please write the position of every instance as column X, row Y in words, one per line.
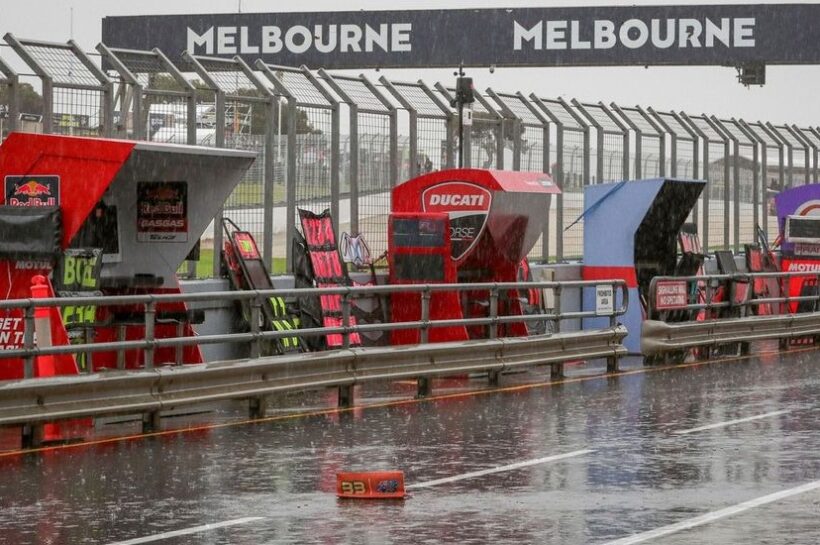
column 589, row 460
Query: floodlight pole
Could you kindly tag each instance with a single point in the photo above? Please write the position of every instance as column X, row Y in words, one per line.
column 460, row 102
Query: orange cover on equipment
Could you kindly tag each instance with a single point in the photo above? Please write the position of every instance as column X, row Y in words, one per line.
column 370, row 485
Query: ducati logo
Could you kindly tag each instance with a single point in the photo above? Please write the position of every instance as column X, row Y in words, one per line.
column 467, row 205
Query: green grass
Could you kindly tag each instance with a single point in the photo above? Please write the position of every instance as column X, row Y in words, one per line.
column 252, row 194
column 205, row 265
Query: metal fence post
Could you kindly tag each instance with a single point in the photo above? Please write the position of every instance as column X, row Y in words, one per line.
column 256, row 315
column 335, row 163
column 150, row 321
column 346, row 320
column 28, row 341
column 413, row 127
column 424, row 385
column 290, row 182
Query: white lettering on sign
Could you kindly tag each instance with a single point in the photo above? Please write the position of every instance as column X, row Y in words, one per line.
column 462, row 233
column 806, row 248
column 604, row 300
column 804, row 267
column 346, row 38
column 671, row 294
column 635, row 34
column 456, row 200
column 11, row 333
column 148, row 223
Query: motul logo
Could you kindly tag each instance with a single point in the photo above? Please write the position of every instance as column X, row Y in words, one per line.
column 804, row 267
column 456, row 197
column 457, row 200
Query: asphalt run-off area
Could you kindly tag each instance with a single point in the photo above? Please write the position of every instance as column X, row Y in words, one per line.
column 712, row 452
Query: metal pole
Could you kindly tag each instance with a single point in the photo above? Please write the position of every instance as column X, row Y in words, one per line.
column 272, row 107
column 354, row 168
column 290, row 212
column 335, row 160
column 48, row 106
column 545, row 168
column 460, row 133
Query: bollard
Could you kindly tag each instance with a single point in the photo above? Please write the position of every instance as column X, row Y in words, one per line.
column 42, row 326
column 45, row 367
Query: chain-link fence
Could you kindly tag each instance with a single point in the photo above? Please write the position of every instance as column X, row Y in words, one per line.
column 343, row 142
column 649, row 142
column 77, row 95
column 373, row 152
column 745, row 165
column 531, row 150
column 9, row 89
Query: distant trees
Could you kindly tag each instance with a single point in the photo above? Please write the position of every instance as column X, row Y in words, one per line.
column 29, row 101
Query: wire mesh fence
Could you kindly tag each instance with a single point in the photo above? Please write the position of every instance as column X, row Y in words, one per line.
column 574, row 179
column 797, row 155
column 344, row 147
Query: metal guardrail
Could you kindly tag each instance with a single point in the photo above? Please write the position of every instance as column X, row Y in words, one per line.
column 147, row 391
column 660, row 337
column 33, row 401
column 739, row 325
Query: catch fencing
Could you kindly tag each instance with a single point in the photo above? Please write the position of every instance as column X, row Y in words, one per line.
column 343, row 142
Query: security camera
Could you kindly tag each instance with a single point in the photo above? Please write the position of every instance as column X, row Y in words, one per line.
column 492, row 68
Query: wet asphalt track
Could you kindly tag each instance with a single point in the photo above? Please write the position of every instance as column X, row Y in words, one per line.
column 719, row 453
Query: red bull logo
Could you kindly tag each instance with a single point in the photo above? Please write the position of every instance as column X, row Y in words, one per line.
column 32, row 190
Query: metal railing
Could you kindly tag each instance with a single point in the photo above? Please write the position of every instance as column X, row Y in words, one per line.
column 709, row 320
column 256, row 336
column 33, row 401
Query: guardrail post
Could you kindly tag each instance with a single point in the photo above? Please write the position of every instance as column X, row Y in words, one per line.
column 557, row 369
column 120, row 351
column 345, row 396
column 346, row 320
column 346, row 392
column 256, row 309
column 32, row 436
column 28, row 342
column 424, row 333
column 424, row 386
column 150, row 315
column 150, row 421
column 493, row 333
column 258, row 407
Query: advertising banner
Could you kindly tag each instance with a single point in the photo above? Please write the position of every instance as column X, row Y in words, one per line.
column 162, row 211
column 568, row 36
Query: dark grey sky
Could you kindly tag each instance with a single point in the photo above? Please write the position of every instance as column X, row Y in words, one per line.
column 789, row 96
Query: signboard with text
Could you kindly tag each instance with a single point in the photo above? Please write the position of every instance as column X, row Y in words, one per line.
column 671, row 294
column 566, row 36
column 162, row 211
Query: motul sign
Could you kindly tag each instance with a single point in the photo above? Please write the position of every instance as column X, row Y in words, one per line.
column 467, row 206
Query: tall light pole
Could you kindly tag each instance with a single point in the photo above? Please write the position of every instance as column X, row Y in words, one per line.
column 464, row 95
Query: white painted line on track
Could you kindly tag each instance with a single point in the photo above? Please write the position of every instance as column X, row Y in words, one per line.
column 730, row 422
column 187, row 531
column 715, row 515
column 500, row 469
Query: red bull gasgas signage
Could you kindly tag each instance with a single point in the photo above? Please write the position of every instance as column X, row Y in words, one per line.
column 34, row 190
column 162, row 211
